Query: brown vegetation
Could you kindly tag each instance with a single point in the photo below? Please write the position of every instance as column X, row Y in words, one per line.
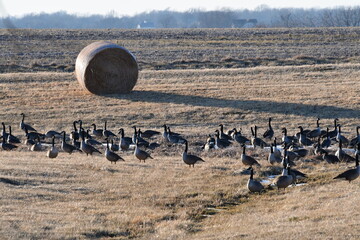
column 74, row 196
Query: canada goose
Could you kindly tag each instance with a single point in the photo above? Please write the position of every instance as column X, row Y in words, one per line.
column 175, row 138
column 67, row 147
column 90, row 140
column 74, row 134
column 272, row 158
column 334, row 132
column 277, row 152
column 87, row 148
column 24, row 125
column 190, row 159
column 343, row 156
column 11, row 138
column 302, row 152
column 294, row 173
column 141, row 154
column 303, row 140
column 269, row 133
column 51, row 133
column 255, row 141
column 7, row 146
column 125, row 142
column 107, row 133
column 239, row 138
column 316, row 132
column 356, row 140
column 114, row 147
column 53, row 151
column 248, row 160
column 111, row 156
column 82, row 131
column 37, row 147
column 339, row 136
column 222, row 135
column 166, row 133
column 4, row 134
column 327, row 141
column 351, row 174
column 220, row 142
column 287, row 140
column 253, row 185
column 332, row 159
column 153, row 145
column 96, row 132
column 210, row 143
column 285, row 179
column 318, row 149
column 136, row 137
column 148, row 133
column 33, row 135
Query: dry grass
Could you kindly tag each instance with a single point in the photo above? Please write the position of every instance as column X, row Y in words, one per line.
column 78, row 197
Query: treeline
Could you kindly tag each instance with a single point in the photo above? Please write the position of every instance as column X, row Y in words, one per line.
column 262, row 16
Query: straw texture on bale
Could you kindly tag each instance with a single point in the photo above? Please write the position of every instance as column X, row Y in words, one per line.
column 106, row 68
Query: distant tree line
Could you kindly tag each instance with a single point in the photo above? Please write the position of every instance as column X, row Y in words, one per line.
column 225, row 18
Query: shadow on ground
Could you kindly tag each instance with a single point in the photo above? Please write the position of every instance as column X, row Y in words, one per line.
column 306, row 110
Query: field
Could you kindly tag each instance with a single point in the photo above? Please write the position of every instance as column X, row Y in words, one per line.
column 191, row 80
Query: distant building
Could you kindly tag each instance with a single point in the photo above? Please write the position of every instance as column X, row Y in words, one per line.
column 146, row 25
column 244, row 23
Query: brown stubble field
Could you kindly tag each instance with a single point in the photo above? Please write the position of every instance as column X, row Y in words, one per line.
column 309, row 74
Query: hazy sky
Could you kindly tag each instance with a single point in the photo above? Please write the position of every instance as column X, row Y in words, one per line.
column 131, row 7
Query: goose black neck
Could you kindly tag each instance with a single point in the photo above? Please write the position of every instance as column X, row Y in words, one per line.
column 269, row 122
column 9, row 130
column 271, row 149
column 53, row 141
column 107, row 144
column 244, row 149
column 74, row 124
column 122, row 132
column 252, row 131
column 94, row 125
column 317, row 122
column 3, row 125
column 186, row 147
column 357, row 160
column 64, row 136
column 251, row 173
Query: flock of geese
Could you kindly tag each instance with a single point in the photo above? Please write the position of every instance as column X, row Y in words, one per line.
column 289, row 149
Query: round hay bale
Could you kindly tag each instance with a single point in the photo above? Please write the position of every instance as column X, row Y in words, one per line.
column 106, row 68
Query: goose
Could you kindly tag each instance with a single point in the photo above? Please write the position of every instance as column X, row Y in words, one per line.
column 248, row 160
column 125, row 142
column 51, row 133
column 253, row 185
column 37, row 147
column 67, row 147
column 277, row 152
column 82, row 131
column 332, row 159
column 294, row 173
column 190, row 159
column 24, row 125
column 153, row 145
column 327, row 141
column 96, row 132
column 303, row 140
column 136, row 137
column 175, row 138
column 210, row 143
column 33, row 135
column 76, row 143
column 269, row 133
column 287, row 140
column 339, row 136
column 141, row 154
column 4, row 134
column 356, row 140
column 284, row 180
column 53, row 151
column 90, row 140
column 343, row 156
column 316, row 132
column 222, row 134
column 334, row 132
column 220, row 142
column 351, row 174
column 148, row 133
column 11, row 138
column 255, row 141
column 114, row 147
column 87, row 148
column 7, row 146
column 272, row 158
column 107, row 133
column 302, row 152
column 111, row 156
column 239, row 138
column 318, row 148
column 74, row 134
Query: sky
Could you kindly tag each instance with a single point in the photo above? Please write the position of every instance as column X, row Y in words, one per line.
column 131, row 7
